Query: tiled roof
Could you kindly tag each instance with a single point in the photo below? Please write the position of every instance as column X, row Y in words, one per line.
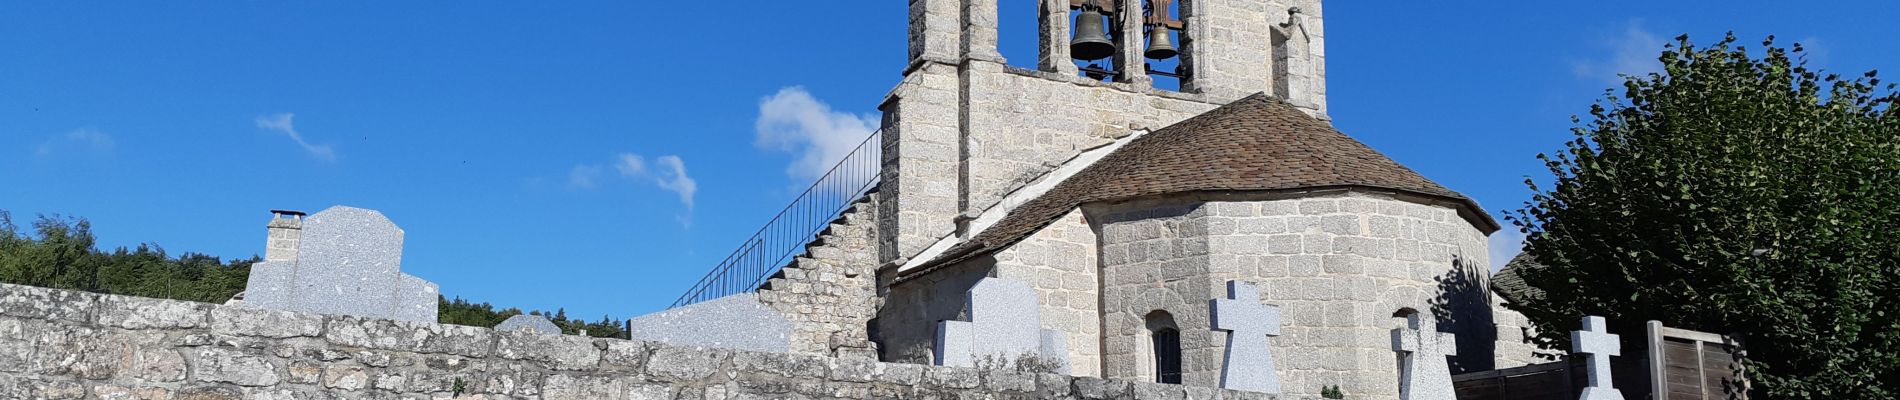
column 1507, row 283
column 1258, row 143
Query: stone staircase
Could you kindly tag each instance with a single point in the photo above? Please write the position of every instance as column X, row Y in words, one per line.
column 830, row 292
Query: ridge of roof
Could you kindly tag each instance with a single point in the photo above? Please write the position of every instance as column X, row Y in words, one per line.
column 1257, row 143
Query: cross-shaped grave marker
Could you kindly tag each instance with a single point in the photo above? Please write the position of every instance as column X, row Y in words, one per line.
column 1596, row 342
column 1248, row 362
column 1423, row 373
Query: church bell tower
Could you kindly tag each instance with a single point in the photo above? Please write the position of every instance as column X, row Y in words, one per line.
column 964, row 128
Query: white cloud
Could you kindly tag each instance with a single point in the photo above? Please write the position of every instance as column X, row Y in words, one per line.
column 1505, row 244
column 668, row 172
column 794, row 122
column 1633, row 50
column 83, row 139
column 583, row 176
column 673, row 178
column 632, row 165
column 281, row 122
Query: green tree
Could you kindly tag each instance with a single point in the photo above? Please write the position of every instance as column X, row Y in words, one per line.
column 1733, row 194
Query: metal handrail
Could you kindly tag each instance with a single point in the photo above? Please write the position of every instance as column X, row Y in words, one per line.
column 787, row 234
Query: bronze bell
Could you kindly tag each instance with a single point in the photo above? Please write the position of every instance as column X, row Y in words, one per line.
column 1091, row 36
column 1161, row 43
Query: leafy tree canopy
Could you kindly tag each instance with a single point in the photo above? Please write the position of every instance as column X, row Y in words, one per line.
column 61, row 253
column 1732, row 194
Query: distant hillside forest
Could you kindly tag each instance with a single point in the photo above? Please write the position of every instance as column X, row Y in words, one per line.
column 62, row 253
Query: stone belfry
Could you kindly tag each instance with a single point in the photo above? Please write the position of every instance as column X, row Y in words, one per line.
column 963, row 128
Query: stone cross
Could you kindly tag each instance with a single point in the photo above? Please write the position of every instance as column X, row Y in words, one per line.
column 1248, row 362
column 1596, row 342
column 1005, row 325
column 1423, row 373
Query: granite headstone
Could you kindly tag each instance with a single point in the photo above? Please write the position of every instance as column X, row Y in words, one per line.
column 349, row 263
column 531, row 323
column 738, row 322
column 1005, row 325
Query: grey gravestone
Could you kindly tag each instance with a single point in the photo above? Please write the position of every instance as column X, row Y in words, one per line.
column 1596, row 341
column 1423, row 373
column 733, row 322
column 1248, row 363
column 349, row 262
column 532, row 323
column 1005, row 325
column 1056, row 346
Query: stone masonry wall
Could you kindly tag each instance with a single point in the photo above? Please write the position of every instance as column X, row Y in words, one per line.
column 1514, row 346
column 1059, row 262
column 1340, row 264
column 1155, row 260
column 907, row 321
column 830, row 293
column 1019, row 123
column 58, row 344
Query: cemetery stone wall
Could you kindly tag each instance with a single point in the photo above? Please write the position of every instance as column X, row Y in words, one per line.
column 60, row 344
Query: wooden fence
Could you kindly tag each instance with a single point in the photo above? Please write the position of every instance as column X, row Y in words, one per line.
column 1696, row 366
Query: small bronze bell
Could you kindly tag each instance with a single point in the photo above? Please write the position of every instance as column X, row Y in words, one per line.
column 1091, row 36
column 1161, row 43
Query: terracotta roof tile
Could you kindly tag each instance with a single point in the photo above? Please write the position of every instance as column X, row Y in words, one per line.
column 1253, row 144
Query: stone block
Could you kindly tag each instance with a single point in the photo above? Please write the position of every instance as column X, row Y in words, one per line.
column 737, row 322
column 408, row 336
column 630, row 354
column 557, row 352
column 687, row 363
column 41, row 303
column 143, row 313
column 1102, row 389
column 159, row 365
column 223, row 365
column 953, row 378
column 84, row 353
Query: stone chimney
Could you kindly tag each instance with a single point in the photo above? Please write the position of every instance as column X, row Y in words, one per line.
column 286, row 228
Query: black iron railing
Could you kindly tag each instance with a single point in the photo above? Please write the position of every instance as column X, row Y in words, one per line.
column 786, row 235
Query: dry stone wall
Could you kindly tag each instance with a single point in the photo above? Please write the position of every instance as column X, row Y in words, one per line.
column 58, row 344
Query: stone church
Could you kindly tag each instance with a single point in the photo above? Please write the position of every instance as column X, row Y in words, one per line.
column 1128, row 209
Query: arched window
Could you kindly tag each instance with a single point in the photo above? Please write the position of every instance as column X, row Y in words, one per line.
column 1166, row 345
column 1168, row 356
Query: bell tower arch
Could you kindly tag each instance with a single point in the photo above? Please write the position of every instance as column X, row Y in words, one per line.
column 963, row 128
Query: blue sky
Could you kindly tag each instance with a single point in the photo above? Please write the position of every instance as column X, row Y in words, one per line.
column 601, row 156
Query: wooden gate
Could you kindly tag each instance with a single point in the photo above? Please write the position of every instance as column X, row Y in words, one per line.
column 1695, row 365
